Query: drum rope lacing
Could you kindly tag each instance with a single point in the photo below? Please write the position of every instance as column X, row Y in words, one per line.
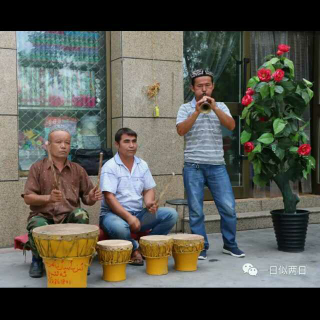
column 115, row 254
column 74, row 242
column 158, row 246
column 185, row 247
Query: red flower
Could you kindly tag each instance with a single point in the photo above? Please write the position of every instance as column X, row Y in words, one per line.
column 264, row 75
column 248, row 147
column 278, row 75
column 283, row 47
column 304, row 149
column 250, row 92
column 263, row 119
column 279, row 52
column 246, row 100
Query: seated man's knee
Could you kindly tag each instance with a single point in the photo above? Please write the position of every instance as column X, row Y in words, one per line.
column 116, row 228
column 79, row 216
column 36, row 222
column 169, row 214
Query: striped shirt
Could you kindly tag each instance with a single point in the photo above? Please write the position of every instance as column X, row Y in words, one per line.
column 203, row 143
column 125, row 185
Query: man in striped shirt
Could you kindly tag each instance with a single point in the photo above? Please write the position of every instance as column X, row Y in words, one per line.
column 204, row 161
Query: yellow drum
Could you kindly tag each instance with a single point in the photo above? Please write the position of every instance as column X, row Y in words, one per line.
column 156, row 249
column 186, row 250
column 67, row 251
column 114, row 256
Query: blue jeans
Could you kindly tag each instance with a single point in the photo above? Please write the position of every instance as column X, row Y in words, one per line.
column 216, row 178
column 161, row 223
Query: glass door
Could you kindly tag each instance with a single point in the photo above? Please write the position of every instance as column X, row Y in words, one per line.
column 316, row 115
column 226, row 54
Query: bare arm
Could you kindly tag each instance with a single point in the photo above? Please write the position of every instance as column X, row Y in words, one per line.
column 39, row 200
column 118, row 209
column 224, row 119
column 149, row 200
column 185, row 126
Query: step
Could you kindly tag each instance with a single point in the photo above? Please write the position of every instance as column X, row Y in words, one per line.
column 248, row 220
column 261, row 204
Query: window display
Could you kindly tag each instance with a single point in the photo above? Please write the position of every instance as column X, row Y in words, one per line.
column 61, row 80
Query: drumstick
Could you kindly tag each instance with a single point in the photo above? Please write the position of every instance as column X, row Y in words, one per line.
column 100, row 166
column 52, row 168
column 165, row 189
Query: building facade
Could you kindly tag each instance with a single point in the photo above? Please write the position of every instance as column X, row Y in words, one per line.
column 130, row 62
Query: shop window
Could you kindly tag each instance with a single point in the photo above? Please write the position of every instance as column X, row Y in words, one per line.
column 61, row 81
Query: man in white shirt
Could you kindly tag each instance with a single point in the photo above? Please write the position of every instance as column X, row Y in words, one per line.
column 126, row 182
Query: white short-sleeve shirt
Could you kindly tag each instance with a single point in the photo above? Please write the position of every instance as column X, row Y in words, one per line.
column 127, row 187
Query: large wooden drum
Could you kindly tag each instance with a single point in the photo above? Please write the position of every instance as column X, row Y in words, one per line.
column 156, row 249
column 67, row 251
column 114, row 256
column 186, row 250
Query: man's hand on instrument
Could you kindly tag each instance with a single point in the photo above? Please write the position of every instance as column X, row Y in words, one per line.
column 55, row 196
column 134, row 224
column 212, row 102
column 95, row 194
column 152, row 206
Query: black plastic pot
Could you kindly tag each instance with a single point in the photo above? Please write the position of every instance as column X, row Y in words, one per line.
column 290, row 229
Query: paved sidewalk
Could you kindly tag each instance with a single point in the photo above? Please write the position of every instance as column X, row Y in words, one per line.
column 274, row 268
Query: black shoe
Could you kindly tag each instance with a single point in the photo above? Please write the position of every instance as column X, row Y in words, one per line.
column 36, row 268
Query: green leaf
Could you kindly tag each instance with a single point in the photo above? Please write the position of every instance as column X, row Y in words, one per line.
column 272, row 89
column 257, row 149
column 312, row 161
column 308, row 83
column 278, row 125
column 310, row 93
column 304, row 137
column 305, row 97
column 290, row 65
column 288, row 85
column 257, row 166
column 260, row 85
column 274, row 60
column 296, row 137
column 304, row 126
column 259, row 180
column 251, row 156
column 285, row 143
column 266, row 138
column 305, row 174
column 280, row 153
column 293, row 149
column 264, row 91
column 292, row 115
column 279, row 89
column 245, row 137
column 244, row 112
column 253, row 81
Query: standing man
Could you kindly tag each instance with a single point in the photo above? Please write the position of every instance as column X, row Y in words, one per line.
column 50, row 205
column 126, row 182
column 204, row 161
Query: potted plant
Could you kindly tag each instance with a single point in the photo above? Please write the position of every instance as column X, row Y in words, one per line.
column 274, row 138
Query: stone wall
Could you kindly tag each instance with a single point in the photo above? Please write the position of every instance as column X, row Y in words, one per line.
column 138, row 59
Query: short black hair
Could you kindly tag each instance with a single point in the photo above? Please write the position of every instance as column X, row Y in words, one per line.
column 122, row 131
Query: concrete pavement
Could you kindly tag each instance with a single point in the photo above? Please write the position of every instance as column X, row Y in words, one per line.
column 273, row 268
